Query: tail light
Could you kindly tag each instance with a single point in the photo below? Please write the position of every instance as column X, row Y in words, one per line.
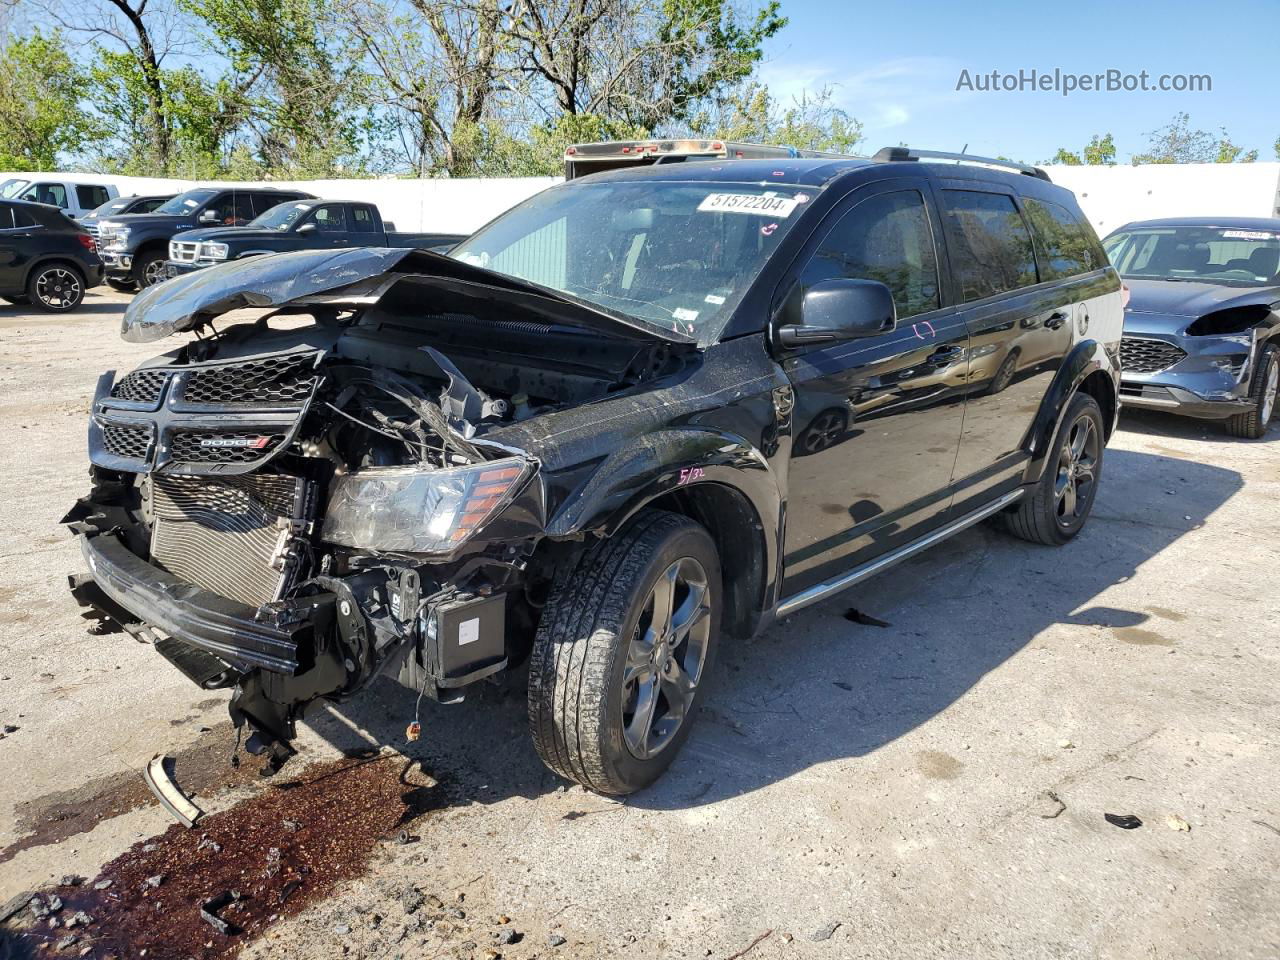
column 86, row 241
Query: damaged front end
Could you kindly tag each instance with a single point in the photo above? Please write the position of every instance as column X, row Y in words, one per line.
column 296, row 505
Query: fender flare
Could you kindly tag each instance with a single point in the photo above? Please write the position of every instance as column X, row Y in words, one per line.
column 669, row 462
column 1085, row 359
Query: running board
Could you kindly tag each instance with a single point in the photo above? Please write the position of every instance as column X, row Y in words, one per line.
column 823, row 590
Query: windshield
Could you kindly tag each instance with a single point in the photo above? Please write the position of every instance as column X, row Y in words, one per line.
column 11, row 188
column 110, row 207
column 1230, row 255
column 281, row 217
column 185, row 203
column 681, row 254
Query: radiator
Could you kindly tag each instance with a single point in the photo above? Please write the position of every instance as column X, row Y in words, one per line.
column 228, row 535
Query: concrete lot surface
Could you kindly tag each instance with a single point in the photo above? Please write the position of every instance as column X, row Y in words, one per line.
column 933, row 787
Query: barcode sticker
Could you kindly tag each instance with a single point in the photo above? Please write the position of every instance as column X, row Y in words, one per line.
column 762, row 205
column 1247, row 234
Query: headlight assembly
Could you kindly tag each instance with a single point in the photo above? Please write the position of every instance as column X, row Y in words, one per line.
column 213, row 251
column 417, row 509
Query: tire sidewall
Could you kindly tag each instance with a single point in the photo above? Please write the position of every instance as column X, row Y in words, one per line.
column 1270, row 356
column 33, row 281
column 1080, row 404
column 621, row 765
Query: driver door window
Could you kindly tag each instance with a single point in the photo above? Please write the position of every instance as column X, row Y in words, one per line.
column 886, row 238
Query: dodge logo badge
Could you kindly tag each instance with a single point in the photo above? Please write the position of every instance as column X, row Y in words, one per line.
column 253, row 443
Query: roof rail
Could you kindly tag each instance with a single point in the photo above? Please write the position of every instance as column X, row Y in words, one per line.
column 907, row 153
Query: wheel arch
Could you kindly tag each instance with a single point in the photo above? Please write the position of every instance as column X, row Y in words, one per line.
column 1088, row 368
column 714, row 478
column 51, row 259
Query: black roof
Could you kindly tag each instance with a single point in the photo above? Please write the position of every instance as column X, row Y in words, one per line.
column 820, row 172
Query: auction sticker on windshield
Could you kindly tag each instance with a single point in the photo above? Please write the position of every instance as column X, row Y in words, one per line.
column 1247, row 234
column 761, row 204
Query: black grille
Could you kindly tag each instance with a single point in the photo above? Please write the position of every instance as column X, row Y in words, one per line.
column 142, row 386
column 201, row 447
column 133, row 443
column 223, row 534
column 274, row 380
column 1139, row 355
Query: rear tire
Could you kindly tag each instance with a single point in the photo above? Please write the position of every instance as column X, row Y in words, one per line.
column 1262, row 391
column 1056, row 508
column 148, row 269
column 625, row 643
column 55, row 287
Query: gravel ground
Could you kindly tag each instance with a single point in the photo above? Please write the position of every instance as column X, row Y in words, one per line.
column 935, row 786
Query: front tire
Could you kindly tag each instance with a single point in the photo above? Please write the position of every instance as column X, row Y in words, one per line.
column 55, row 287
column 1263, row 389
column 624, row 645
column 1056, row 508
column 148, row 269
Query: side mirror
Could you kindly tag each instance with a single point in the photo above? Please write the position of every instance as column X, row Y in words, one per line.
column 208, row 216
column 306, row 228
column 835, row 310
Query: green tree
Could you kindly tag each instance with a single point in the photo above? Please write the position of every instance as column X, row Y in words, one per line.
column 811, row 122
column 41, row 122
column 1099, row 151
column 1177, row 142
column 295, row 87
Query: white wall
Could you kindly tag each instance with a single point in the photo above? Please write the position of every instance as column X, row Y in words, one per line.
column 436, row 206
column 1113, row 196
column 1109, row 196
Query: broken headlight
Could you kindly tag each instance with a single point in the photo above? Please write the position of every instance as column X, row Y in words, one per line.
column 417, row 509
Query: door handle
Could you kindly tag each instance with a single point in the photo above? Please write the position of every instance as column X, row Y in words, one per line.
column 945, row 355
column 1056, row 319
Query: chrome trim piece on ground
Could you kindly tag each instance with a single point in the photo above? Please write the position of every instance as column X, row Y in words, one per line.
column 822, row 590
column 168, row 793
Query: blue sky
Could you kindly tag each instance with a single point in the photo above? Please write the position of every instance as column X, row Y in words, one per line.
column 894, row 66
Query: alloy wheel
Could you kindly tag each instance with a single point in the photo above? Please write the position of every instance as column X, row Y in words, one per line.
column 823, row 432
column 58, row 289
column 665, row 658
column 1077, row 470
column 154, row 272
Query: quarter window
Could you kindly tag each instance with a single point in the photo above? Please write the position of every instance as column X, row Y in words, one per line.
column 990, row 244
column 886, row 238
column 1066, row 246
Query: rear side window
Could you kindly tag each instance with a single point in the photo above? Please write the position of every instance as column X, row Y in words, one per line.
column 6, row 217
column 363, row 220
column 886, row 238
column 1065, row 246
column 91, row 195
column 990, row 244
column 22, row 218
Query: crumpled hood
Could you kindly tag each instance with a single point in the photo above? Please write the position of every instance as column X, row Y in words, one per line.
column 1167, row 306
column 190, row 301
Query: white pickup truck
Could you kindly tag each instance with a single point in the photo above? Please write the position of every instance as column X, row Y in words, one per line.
column 74, row 197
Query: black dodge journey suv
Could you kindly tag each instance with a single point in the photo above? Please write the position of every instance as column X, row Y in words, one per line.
column 635, row 417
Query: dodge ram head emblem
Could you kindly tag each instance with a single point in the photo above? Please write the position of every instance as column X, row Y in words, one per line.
column 253, row 443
